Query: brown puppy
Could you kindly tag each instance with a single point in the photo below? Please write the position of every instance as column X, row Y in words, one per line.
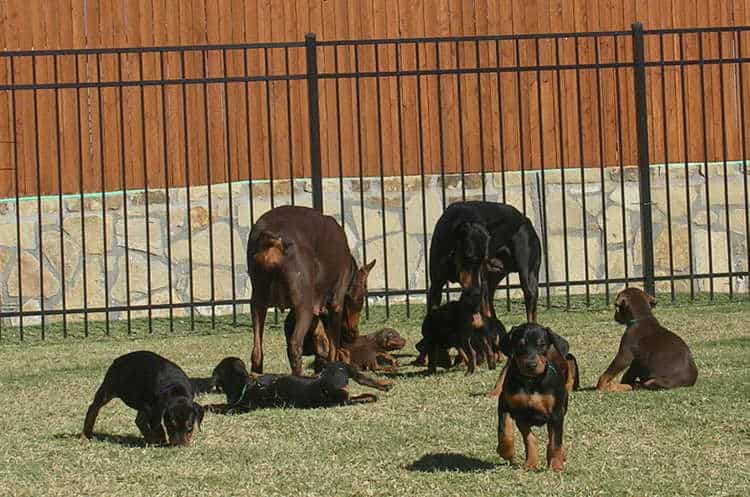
column 371, row 351
column 655, row 357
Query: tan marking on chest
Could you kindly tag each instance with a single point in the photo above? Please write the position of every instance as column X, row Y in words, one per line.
column 535, row 401
column 271, row 257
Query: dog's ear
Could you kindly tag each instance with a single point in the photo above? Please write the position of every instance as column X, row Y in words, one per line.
column 199, row 412
column 651, row 300
column 506, row 341
column 559, row 342
column 368, row 267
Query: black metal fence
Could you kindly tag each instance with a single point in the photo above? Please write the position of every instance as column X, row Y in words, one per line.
column 391, row 139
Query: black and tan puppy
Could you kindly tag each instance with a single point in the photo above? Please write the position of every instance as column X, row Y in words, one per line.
column 155, row 387
column 458, row 325
column 247, row 391
column 655, row 357
column 534, row 392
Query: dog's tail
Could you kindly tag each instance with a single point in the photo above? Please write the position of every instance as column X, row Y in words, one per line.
column 573, row 373
column 267, row 251
column 359, row 377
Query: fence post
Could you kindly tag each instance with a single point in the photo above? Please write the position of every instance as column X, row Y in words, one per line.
column 644, row 173
column 314, row 114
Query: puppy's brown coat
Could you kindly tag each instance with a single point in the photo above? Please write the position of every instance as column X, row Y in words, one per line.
column 655, row 357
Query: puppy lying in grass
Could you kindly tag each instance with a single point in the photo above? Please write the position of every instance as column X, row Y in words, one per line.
column 246, row 391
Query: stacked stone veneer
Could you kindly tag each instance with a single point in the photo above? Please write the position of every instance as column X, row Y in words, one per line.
column 583, row 229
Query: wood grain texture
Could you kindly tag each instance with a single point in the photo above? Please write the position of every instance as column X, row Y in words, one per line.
column 230, row 132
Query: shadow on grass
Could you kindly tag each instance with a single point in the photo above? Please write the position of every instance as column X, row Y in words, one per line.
column 124, row 440
column 432, row 463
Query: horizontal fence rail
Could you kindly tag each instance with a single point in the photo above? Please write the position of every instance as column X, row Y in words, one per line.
column 130, row 178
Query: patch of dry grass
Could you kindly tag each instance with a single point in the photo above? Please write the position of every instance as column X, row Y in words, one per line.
column 428, row 436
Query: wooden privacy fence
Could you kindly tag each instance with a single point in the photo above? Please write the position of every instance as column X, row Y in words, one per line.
column 120, row 119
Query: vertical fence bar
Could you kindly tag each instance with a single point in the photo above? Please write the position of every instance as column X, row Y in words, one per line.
column 16, row 180
column 38, row 199
column 124, row 186
column 360, row 160
column 644, row 174
column 81, row 187
column 706, row 176
column 103, row 186
column 58, row 125
column 743, row 144
column 501, row 138
column 404, row 230
column 167, row 200
column 561, row 146
column 289, row 129
column 686, row 155
column 600, row 115
column 724, row 164
column 378, row 103
column 420, row 140
column 339, row 144
column 230, row 195
column 665, row 137
column 541, row 179
column 459, row 111
column 582, row 170
column 314, row 115
column 481, row 122
column 146, row 203
column 209, row 181
column 621, row 164
column 186, row 136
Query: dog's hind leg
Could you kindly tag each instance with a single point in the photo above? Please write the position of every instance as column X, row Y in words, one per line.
column 258, row 311
column 101, row 398
column 527, row 252
column 354, row 374
column 304, row 318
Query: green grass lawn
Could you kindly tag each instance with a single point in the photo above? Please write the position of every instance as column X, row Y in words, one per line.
column 428, row 436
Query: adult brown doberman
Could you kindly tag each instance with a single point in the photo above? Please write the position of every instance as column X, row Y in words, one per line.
column 299, row 259
column 655, row 357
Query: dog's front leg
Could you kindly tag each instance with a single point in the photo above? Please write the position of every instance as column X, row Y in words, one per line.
column 505, row 448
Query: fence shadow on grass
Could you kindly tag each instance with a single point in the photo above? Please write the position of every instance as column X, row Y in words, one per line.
column 451, row 461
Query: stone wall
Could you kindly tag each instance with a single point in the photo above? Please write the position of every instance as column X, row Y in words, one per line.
column 593, row 202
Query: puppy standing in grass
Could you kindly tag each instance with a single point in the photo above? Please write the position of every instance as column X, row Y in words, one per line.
column 155, row 387
column 655, row 357
column 535, row 390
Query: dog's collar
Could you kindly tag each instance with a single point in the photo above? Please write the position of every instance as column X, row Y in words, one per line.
column 242, row 396
column 631, row 322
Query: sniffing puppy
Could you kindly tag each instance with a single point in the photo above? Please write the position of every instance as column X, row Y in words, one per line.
column 158, row 389
column 534, row 393
column 655, row 357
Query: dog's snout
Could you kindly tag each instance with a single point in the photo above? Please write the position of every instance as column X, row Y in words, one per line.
column 531, row 363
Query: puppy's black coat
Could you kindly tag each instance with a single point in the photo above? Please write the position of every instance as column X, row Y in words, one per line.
column 458, row 325
column 158, row 389
column 247, row 391
column 477, row 244
column 534, row 392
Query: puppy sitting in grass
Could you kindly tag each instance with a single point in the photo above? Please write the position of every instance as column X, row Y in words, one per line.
column 655, row 357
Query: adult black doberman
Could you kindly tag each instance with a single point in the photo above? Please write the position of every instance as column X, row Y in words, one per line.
column 298, row 258
column 477, row 244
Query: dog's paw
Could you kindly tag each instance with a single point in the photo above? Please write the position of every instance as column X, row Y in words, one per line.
column 505, row 451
